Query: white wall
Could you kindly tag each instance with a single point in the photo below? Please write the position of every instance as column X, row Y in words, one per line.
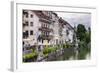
column 5, row 35
column 70, row 36
column 34, row 28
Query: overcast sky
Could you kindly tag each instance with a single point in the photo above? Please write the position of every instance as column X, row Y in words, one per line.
column 76, row 18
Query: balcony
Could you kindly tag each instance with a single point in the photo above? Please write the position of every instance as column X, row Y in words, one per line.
column 45, row 20
column 48, row 37
column 46, row 29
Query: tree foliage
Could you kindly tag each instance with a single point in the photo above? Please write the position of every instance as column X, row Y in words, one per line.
column 81, row 32
column 84, row 37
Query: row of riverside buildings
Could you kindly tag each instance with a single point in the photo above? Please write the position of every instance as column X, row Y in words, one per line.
column 45, row 28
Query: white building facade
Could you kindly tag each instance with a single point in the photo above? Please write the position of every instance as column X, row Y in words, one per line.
column 45, row 28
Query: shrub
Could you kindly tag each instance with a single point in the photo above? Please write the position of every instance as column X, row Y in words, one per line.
column 66, row 45
column 29, row 56
column 48, row 50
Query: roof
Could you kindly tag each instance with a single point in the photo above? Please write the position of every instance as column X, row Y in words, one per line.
column 40, row 14
column 62, row 21
column 55, row 14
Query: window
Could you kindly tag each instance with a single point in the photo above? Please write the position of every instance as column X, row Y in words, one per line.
column 27, row 15
column 56, row 41
column 25, row 34
column 25, row 12
column 39, row 38
column 26, row 23
column 31, row 23
column 67, row 32
column 47, row 26
column 23, row 43
column 46, row 33
column 48, row 41
column 31, row 15
column 42, row 40
column 43, row 25
column 31, row 32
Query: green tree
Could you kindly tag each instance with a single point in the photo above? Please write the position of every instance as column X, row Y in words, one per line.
column 84, row 38
column 81, row 30
column 87, row 37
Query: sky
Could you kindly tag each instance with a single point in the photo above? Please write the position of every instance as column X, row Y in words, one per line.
column 76, row 18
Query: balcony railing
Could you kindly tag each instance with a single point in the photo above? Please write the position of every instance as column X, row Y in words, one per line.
column 47, row 37
column 45, row 20
column 46, row 29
